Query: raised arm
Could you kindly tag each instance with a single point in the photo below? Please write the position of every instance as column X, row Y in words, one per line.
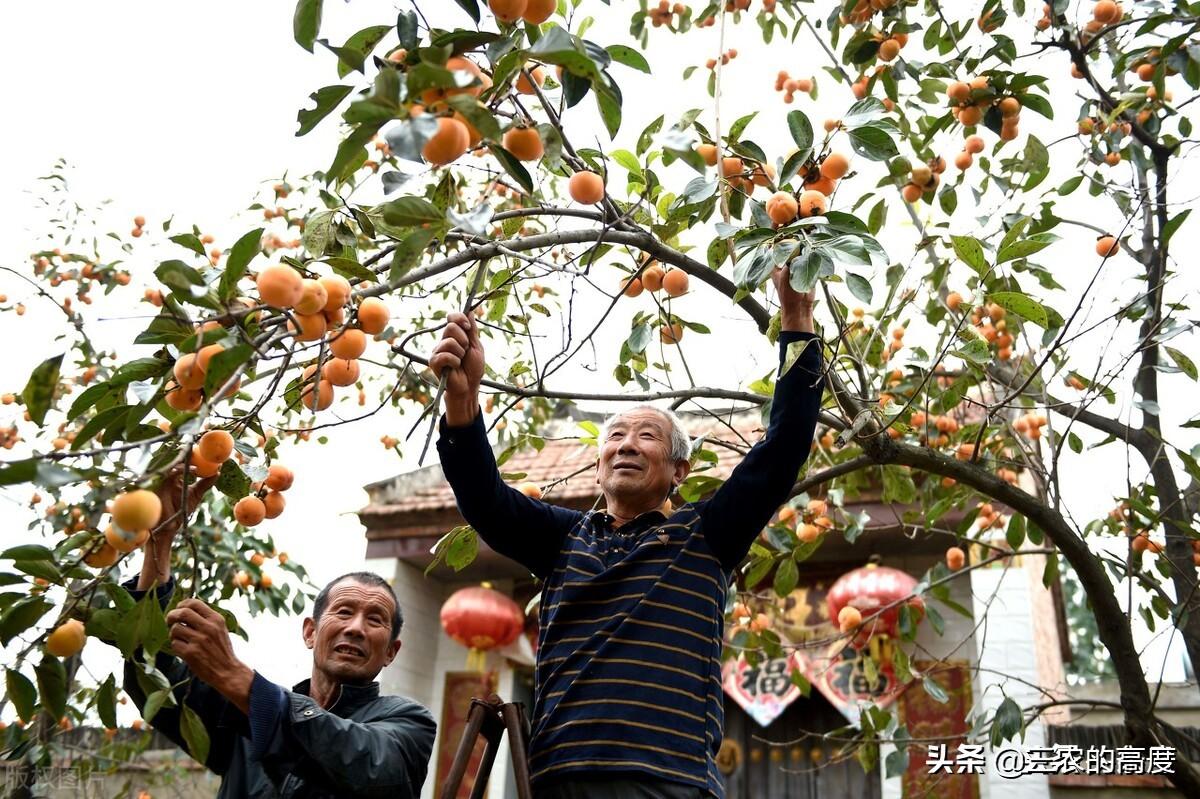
column 740, row 508
column 519, row 527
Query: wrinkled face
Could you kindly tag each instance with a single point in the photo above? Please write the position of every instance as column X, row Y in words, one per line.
column 352, row 641
column 635, row 467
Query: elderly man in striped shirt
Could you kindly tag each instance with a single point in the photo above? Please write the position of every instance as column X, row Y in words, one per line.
column 628, row 699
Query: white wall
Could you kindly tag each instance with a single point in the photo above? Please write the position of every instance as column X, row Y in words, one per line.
column 427, row 654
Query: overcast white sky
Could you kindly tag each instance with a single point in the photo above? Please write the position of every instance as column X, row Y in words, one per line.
column 184, row 110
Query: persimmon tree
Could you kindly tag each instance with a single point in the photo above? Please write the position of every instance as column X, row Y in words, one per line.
column 961, row 374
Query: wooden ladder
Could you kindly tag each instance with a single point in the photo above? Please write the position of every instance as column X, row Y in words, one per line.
column 491, row 717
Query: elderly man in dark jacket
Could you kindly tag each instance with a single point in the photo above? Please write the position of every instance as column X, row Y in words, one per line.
column 332, row 735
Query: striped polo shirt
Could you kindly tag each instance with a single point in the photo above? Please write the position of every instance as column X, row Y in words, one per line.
column 628, row 677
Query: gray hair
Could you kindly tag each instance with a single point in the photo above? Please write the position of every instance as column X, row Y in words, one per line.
column 681, row 443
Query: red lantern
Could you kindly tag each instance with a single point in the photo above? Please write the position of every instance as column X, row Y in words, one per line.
column 481, row 618
column 870, row 589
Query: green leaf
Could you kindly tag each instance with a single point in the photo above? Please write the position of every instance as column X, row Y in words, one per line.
column 410, row 212
column 513, row 167
column 898, row 485
column 139, row 369
column 20, row 616
column 859, row 286
column 629, row 57
column 186, row 282
column 39, row 391
column 52, row 686
column 194, row 733
column 975, row 351
column 1184, row 363
column 106, row 702
column 223, row 365
column 351, row 153
column 232, row 481
column 154, row 703
column 1023, row 249
column 327, row 98
column 306, row 23
column 873, row 142
column 352, row 270
column 13, row 472
column 462, row 549
column 1022, row 305
column 1008, row 723
column 1173, row 225
column 471, row 7
column 189, row 241
column 801, row 130
column 970, row 251
column 864, row 112
column 935, row 691
column 786, row 577
column 21, row 693
column 1015, row 533
column 408, row 252
column 27, row 552
column 240, row 256
column 477, row 114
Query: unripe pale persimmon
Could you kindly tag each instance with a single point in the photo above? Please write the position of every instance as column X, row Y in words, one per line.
column 974, row 144
column 280, row 286
column 373, row 315
column 586, row 188
column 531, row 490
column 349, row 344
column 524, row 143
column 137, row 510
column 249, row 511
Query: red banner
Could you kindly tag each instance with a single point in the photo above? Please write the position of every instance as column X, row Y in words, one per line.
column 459, row 688
column 929, row 719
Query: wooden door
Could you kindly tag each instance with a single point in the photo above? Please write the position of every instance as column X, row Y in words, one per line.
column 799, row 766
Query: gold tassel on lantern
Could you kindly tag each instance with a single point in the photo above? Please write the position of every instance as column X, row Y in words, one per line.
column 476, row 659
